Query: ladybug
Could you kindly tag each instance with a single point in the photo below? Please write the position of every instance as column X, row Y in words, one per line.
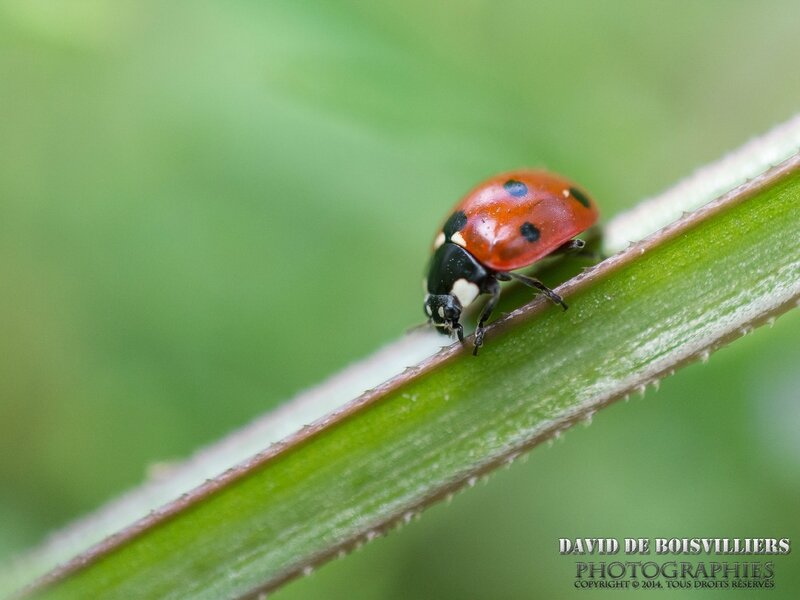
column 506, row 223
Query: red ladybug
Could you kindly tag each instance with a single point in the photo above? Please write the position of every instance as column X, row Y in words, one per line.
column 506, row 223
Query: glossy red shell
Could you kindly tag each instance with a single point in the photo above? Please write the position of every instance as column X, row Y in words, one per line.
column 516, row 218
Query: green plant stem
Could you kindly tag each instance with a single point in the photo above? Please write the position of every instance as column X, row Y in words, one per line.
column 380, row 459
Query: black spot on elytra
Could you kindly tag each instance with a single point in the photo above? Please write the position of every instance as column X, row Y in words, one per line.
column 580, row 196
column 455, row 223
column 529, row 232
column 515, row 188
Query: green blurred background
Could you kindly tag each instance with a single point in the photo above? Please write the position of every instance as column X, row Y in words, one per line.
column 207, row 207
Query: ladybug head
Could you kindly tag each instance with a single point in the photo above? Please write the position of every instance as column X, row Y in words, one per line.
column 444, row 311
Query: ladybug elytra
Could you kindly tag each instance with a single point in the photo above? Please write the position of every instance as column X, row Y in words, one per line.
column 506, row 223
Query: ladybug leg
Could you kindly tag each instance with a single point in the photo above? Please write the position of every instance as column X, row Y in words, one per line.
column 459, row 329
column 494, row 290
column 536, row 284
column 572, row 246
column 577, row 248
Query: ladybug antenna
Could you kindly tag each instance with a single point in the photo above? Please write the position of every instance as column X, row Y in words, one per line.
column 418, row 326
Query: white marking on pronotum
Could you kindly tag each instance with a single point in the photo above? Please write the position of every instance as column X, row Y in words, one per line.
column 428, row 306
column 441, row 312
column 465, row 291
column 439, row 240
column 457, row 238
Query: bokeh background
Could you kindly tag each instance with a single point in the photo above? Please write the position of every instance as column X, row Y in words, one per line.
column 207, row 207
